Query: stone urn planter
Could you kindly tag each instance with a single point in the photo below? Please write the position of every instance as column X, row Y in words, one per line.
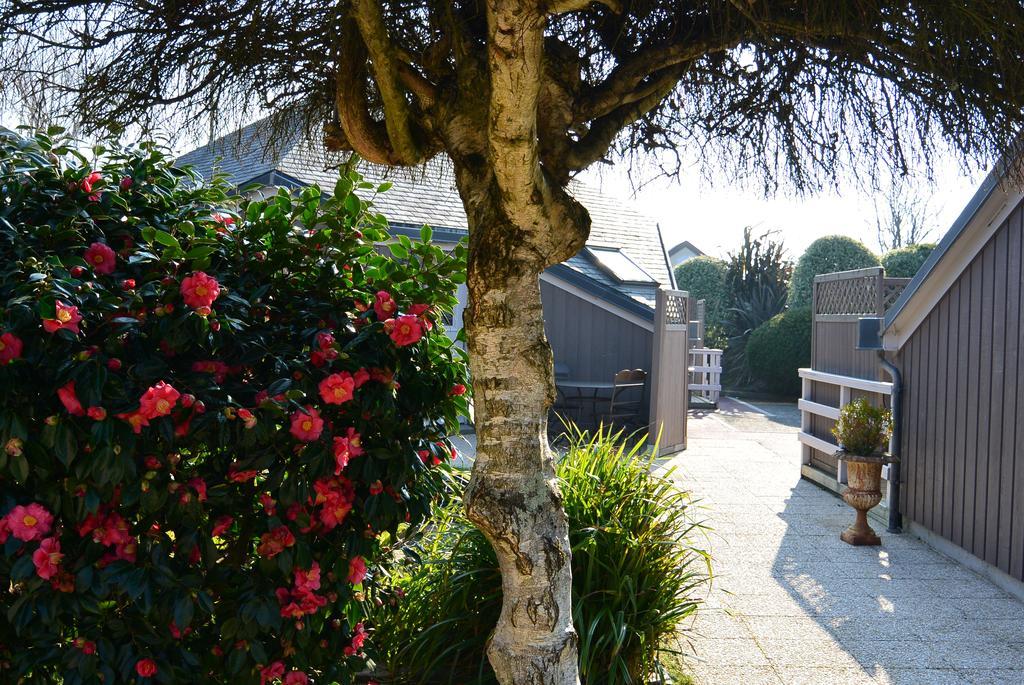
column 863, row 492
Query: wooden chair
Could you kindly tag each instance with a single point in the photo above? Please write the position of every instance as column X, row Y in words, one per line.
column 626, row 402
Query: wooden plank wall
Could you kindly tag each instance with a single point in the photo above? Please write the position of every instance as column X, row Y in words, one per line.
column 963, row 372
column 593, row 342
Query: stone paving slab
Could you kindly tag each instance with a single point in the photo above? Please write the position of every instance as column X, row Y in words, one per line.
column 791, row 604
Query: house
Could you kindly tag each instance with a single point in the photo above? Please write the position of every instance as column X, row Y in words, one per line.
column 953, row 335
column 682, row 252
column 599, row 306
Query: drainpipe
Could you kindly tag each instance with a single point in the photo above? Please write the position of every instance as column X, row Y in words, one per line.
column 895, row 518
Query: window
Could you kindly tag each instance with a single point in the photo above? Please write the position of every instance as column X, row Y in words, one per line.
column 616, row 264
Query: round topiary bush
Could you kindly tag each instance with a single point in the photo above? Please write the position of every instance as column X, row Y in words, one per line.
column 904, row 262
column 704, row 278
column 207, row 416
column 823, row 256
column 777, row 348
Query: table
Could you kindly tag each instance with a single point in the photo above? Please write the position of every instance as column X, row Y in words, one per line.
column 595, row 387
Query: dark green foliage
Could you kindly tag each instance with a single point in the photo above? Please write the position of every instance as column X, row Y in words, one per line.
column 638, row 571
column 143, row 574
column 778, row 348
column 704, row 278
column 863, row 429
column 758, row 282
column 904, row 262
column 824, row 256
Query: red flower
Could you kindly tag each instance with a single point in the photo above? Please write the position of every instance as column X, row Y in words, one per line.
column 101, row 258
column 87, row 646
column 384, row 305
column 418, row 309
column 307, row 425
column 10, row 348
column 221, row 526
column 358, row 639
column 337, row 388
column 237, row 476
column 404, row 330
column 199, row 290
column 457, row 389
column 356, row 570
column 275, row 542
column 158, row 401
column 67, row 317
column 31, row 522
column 146, row 668
column 274, row 670
column 295, row 678
column 361, row 377
column 96, row 413
column 136, row 420
column 346, row 448
column 69, row 399
column 47, row 558
column 89, row 181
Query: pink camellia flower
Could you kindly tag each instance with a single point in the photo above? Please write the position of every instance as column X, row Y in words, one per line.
column 404, row 330
column 199, row 290
column 270, row 672
column 275, row 542
column 29, row 522
column 307, row 425
column 10, row 348
column 158, row 401
column 337, row 388
column 96, row 413
column 101, row 258
column 457, row 389
column 384, row 305
column 5, row 530
column 47, row 558
column 146, row 668
column 67, row 317
column 356, row 570
column 345, row 448
column 418, row 309
column 248, row 418
column 358, row 640
column 295, row 678
column 69, row 398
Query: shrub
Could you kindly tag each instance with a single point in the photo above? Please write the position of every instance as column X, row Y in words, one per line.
column 778, row 348
column 904, row 262
column 636, row 574
column 863, row 429
column 827, row 255
column 207, row 417
column 704, row 278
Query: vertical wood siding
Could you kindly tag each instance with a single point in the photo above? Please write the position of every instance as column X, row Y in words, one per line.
column 593, row 342
column 963, row 408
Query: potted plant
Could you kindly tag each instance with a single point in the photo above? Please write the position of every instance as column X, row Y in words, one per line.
column 863, row 432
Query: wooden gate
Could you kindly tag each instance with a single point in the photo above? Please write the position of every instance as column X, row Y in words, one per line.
column 669, row 395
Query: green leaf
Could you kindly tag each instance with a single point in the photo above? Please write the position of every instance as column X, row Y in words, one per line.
column 165, row 238
column 426, row 233
column 19, row 467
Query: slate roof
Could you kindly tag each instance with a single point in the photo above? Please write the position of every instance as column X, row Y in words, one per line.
column 427, row 195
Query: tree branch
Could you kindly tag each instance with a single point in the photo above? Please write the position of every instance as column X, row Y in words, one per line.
column 398, row 119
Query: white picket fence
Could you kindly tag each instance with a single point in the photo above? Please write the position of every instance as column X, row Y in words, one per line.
column 705, row 373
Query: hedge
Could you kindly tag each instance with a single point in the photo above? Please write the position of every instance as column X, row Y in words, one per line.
column 904, row 262
column 827, row 255
column 779, row 347
column 705, row 279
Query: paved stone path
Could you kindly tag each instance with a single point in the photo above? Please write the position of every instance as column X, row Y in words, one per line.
column 792, row 604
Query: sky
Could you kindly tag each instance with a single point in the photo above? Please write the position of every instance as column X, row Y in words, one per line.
column 712, row 217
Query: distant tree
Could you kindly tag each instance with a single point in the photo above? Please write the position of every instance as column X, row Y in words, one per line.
column 757, row 280
column 521, row 95
column 704, row 278
column 823, row 256
column 906, row 261
column 903, row 217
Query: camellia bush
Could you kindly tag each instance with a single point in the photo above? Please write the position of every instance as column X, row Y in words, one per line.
column 209, row 413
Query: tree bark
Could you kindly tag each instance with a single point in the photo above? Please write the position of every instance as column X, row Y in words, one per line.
column 513, row 495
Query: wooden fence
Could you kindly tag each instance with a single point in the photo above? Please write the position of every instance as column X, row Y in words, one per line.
column 670, row 398
column 839, row 301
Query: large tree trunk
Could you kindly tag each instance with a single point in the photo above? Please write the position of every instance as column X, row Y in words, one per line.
column 513, row 496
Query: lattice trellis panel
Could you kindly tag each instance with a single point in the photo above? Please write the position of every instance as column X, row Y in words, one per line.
column 891, row 291
column 851, row 296
column 675, row 310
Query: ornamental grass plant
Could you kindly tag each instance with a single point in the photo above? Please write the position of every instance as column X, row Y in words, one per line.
column 638, row 562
